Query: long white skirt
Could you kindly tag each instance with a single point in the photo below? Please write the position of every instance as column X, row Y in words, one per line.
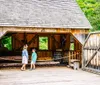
column 24, row 60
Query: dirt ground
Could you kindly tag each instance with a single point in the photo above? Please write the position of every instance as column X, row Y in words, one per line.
column 48, row 76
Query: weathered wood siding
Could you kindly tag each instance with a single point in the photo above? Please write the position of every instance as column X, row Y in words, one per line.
column 91, row 52
column 78, row 33
column 54, row 43
column 19, row 33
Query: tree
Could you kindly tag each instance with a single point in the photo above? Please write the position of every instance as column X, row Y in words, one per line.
column 91, row 9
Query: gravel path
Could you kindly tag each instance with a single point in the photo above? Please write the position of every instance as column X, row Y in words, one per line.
column 48, row 76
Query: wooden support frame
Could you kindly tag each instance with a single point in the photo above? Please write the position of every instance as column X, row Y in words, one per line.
column 54, row 42
column 28, row 43
column 92, row 57
column 25, row 37
column 91, row 53
column 32, row 39
column 22, row 43
column 54, row 39
column 14, row 36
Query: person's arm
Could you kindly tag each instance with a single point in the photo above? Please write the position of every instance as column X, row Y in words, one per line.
column 36, row 56
column 23, row 53
column 26, row 53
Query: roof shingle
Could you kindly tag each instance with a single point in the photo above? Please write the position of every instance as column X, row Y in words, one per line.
column 42, row 13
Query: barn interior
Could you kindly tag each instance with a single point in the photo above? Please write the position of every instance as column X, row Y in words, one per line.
column 60, row 47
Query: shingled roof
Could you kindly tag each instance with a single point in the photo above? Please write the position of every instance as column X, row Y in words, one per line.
column 42, row 13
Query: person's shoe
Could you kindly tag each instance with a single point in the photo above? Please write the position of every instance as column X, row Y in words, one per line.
column 22, row 70
column 33, row 68
column 30, row 69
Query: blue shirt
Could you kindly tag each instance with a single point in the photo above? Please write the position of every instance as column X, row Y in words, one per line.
column 34, row 56
column 25, row 53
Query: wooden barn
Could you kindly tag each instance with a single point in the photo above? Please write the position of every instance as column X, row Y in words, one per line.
column 91, row 53
column 60, row 23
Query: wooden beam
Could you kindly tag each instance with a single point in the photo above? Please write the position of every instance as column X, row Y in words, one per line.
column 28, row 43
column 92, row 57
column 90, row 48
column 76, row 39
column 14, row 36
column 22, row 43
column 25, row 37
column 32, row 39
column 55, row 39
column 68, row 42
column 55, row 42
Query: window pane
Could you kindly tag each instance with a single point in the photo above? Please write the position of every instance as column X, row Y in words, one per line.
column 71, row 46
column 7, row 42
column 43, row 43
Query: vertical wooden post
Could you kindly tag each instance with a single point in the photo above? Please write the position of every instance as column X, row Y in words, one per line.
column 96, row 60
column 72, row 55
column 93, row 60
column 91, row 55
column 68, row 42
column 2, row 32
column 99, row 60
column 69, row 57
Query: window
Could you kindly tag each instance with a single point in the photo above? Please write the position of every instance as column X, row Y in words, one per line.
column 43, row 43
column 72, row 46
column 7, row 42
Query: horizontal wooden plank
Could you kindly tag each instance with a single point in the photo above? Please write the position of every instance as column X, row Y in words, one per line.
column 91, row 70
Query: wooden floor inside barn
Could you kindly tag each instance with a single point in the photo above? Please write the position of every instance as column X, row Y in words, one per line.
column 48, row 76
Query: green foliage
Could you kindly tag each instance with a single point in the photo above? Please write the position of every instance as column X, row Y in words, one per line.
column 43, row 43
column 7, row 42
column 72, row 46
column 91, row 9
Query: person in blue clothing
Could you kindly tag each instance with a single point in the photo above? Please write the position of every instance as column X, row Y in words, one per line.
column 33, row 59
column 24, row 57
